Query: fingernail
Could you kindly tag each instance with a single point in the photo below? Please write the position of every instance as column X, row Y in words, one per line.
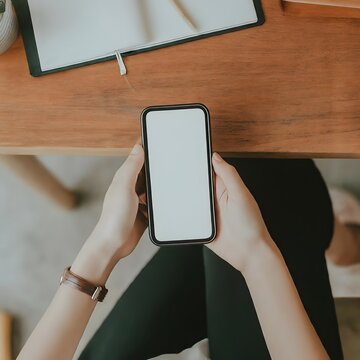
column 217, row 157
column 136, row 149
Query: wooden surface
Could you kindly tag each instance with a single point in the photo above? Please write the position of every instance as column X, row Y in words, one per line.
column 355, row 4
column 322, row 8
column 288, row 88
column 5, row 336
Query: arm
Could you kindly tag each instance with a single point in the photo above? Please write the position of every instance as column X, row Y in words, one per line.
column 115, row 236
column 283, row 319
column 244, row 242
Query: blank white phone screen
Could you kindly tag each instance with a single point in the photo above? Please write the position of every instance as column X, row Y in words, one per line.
column 179, row 174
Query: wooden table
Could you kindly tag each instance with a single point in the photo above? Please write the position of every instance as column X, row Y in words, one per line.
column 290, row 88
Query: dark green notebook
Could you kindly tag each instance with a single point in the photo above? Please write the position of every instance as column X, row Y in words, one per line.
column 59, row 35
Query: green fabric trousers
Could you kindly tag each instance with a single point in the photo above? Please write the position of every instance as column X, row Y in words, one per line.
column 187, row 293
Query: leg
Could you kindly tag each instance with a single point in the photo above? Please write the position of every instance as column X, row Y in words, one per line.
column 345, row 245
column 30, row 170
column 297, row 210
column 344, row 248
column 163, row 310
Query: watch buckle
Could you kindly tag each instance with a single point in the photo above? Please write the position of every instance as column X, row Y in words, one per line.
column 95, row 295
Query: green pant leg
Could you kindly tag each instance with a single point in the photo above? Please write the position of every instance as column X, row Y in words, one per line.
column 295, row 205
column 162, row 311
column 233, row 327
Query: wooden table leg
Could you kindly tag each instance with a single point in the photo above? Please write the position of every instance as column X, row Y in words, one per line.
column 5, row 336
column 35, row 174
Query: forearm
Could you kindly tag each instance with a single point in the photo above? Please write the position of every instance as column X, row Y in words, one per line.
column 115, row 236
column 58, row 333
column 287, row 329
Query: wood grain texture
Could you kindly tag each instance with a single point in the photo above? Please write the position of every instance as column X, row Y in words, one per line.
column 288, row 88
column 355, row 4
column 310, row 9
column 5, row 336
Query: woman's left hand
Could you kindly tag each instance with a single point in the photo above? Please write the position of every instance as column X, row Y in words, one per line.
column 122, row 221
column 121, row 224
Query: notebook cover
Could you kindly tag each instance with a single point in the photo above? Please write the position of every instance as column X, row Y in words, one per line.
column 27, row 31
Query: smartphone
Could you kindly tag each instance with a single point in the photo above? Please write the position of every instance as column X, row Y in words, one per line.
column 179, row 176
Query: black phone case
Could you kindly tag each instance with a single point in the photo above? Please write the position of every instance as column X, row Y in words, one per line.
column 148, row 175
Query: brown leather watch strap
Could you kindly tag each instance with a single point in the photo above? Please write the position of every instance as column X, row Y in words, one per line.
column 97, row 292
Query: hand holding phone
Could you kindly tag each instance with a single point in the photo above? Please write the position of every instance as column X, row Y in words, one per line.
column 242, row 232
column 121, row 223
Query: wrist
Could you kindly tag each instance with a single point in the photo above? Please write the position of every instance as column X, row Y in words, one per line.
column 265, row 251
column 94, row 262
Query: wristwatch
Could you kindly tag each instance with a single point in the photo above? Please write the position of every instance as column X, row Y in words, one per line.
column 97, row 292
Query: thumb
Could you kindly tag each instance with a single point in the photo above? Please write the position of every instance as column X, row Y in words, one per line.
column 227, row 173
column 133, row 165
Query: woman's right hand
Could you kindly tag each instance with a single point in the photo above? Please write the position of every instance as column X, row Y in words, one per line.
column 244, row 242
column 241, row 230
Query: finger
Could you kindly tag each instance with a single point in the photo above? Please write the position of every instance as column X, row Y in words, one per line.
column 227, row 173
column 143, row 211
column 139, row 226
column 133, row 165
column 142, row 198
column 140, row 182
column 220, row 187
